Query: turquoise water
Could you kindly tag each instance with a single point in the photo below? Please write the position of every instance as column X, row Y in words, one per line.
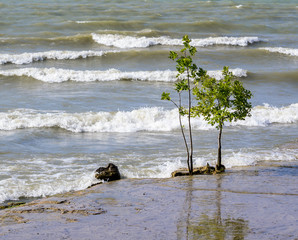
column 80, row 86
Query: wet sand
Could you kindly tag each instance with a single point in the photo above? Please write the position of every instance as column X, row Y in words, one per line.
column 249, row 203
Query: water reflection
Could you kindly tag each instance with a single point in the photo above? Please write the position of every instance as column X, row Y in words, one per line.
column 203, row 220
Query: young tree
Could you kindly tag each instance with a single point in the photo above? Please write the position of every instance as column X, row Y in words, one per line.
column 187, row 73
column 220, row 101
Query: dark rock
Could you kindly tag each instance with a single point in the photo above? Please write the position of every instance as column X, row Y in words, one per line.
column 109, row 173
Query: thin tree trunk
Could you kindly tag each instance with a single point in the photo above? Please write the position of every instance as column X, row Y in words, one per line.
column 189, row 126
column 185, row 142
column 191, row 147
column 219, row 148
column 182, row 131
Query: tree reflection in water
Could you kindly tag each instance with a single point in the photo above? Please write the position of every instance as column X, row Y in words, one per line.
column 195, row 224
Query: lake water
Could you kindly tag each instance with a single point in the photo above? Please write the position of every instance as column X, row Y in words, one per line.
column 80, row 86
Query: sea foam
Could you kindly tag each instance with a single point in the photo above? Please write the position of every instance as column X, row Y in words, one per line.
column 121, row 41
column 163, row 167
column 26, row 58
column 266, row 115
column 286, row 51
column 57, row 75
column 42, row 184
column 46, row 178
column 144, row 119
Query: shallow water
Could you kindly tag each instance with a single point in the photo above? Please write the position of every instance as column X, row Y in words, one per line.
column 243, row 203
column 81, row 88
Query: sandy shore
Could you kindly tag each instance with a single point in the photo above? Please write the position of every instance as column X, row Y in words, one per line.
column 249, row 203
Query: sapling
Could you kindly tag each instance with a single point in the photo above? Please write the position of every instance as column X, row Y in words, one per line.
column 187, row 72
column 217, row 101
column 221, row 101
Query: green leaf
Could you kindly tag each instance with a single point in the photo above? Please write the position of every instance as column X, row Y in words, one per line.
column 165, row 96
column 192, row 51
column 173, row 55
column 182, row 85
column 223, row 100
column 186, row 39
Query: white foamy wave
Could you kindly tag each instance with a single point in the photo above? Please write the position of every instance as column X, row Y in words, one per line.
column 266, row 115
column 143, row 119
column 47, row 178
column 122, row 41
column 286, row 51
column 26, row 58
column 160, row 168
column 163, row 167
column 54, row 75
column 238, row 72
column 250, row 157
column 247, row 157
column 83, row 22
column 44, row 185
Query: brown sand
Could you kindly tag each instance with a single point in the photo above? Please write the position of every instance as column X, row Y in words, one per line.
column 250, row 203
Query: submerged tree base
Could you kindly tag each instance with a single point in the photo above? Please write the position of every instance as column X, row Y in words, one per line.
column 207, row 170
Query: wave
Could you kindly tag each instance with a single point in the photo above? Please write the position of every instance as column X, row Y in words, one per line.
column 77, row 39
column 121, row 41
column 266, row 115
column 57, row 75
column 143, row 119
column 286, row 51
column 85, row 22
column 244, row 157
column 143, row 39
column 26, row 58
column 48, row 178
column 43, row 183
column 237, row 72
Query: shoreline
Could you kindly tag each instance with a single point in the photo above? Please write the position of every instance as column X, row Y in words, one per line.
column 257, row 202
